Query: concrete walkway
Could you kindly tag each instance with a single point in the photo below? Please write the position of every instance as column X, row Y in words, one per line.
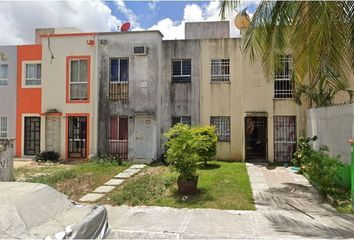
column 109, row 186
column 273, row 189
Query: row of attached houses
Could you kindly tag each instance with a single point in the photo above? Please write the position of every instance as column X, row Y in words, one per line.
column 82, row 94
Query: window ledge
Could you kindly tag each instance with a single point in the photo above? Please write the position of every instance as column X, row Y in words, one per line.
column 220, row 82
column 78, row 101
column 283, row 99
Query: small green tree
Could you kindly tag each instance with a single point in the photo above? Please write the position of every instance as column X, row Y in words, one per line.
column 187, row 146
column 207, row 140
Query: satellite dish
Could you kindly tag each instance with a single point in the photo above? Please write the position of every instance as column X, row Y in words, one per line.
column 125, row 27
column 242, row 20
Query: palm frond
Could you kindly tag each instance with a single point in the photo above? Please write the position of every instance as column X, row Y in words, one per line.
column 227, row 5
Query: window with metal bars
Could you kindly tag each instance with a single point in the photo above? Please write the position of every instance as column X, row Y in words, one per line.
column 182, row 119
column 33, row 74
column 284, row 138
column 79, row 79
column 181, row 71
column 119, row 79
column 283, row 78
column 118, row 137
column 3, row 127
column 3, row 74
column 222, row 125
column 220, row 70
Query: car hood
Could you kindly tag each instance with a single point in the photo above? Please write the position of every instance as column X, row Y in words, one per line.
column 31, row 210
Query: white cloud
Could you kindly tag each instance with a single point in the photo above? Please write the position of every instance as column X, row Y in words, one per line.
column 19, row 19
column 153, row 5
column 170, row 29
column 192, row 13
column 195, row 13
column 128, row 13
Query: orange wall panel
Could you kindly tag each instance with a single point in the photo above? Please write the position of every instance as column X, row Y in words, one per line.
column 28, row 99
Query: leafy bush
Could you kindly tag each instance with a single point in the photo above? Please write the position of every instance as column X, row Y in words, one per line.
column 207, row 140
column 47, row 156
column 106, row 160
column 318, row 165
column 304, row 150
column 187, row 146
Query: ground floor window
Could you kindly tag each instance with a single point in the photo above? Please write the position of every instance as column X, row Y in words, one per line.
column 118, row 137
column 184, row 119
column 3, row 127
column 222, row 124
column 284, row 138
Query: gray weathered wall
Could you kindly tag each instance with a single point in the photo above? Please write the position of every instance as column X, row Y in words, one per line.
column 144, row 83
column 8, row 92
column 6, row 160
column 333, row 126
column 53, row 130
column 205, row 30
column 180, row 99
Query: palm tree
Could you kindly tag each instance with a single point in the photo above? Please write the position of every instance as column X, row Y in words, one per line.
column 318, row 34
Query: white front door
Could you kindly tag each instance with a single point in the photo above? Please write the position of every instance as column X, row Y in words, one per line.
column 144, row 138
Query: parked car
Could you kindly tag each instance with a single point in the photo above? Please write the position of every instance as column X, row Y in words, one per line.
column 32, row 210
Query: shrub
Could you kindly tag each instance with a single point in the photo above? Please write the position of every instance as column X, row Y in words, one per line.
column 107, row 160
column 318, row 165
column 207, row 140
column 187, row 146
column 304, row 150
column 47, row 156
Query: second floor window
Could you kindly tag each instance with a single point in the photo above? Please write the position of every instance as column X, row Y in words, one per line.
column 3, row 127
column 33, row 74
column 3, row 74
column 283, row 78
column 79, row 79
column 184, row 119
column 119, row 78
column 220, row 70
column 181, row 70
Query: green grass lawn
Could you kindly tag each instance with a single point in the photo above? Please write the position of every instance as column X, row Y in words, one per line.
column 222, row 185
column 73, row 180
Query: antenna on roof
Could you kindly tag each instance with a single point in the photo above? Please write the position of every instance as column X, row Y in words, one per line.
column 125, row 27
column 242, row 20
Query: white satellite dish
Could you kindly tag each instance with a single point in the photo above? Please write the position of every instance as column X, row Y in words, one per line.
column 242, row 20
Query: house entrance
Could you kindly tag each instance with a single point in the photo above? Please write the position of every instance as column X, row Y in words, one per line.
column 256, row 139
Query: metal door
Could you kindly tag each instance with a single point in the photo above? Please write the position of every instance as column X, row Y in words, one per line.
column 284, row 138
column 256, row 138
column 77, row 137
column 144, row 138
column 32, row 135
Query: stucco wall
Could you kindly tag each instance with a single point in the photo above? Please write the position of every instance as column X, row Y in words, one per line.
column 258, row 96
column 224, row 98
column 28, row 97
column 54, row 85
column 144, row 84
column 53, row 133
column 333, row 126
column 180, row 99
column 206, row 30
column 6, row 160
column 8, row 92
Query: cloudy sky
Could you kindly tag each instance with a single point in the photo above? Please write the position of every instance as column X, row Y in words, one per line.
column 18, row 19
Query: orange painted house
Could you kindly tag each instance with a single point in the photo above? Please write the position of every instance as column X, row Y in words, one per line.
column 29, row 95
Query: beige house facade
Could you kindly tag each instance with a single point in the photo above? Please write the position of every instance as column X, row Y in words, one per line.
column 69, row 94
